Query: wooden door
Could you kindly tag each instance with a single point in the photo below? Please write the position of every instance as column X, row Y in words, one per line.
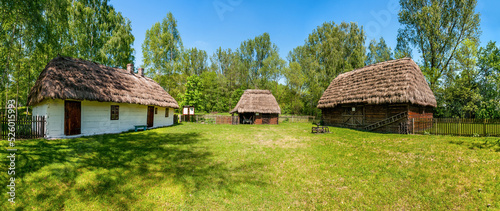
column 72, row 117
column 151, row 115
column 353, row 116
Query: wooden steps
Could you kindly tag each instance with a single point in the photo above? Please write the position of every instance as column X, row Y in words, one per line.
column 387, row 121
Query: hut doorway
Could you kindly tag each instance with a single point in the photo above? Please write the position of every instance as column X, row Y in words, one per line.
column 151, row 115
column 247, row 118
column 72, row 117
column 353, row 116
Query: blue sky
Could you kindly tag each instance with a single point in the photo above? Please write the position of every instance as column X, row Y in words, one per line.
column 209, row 24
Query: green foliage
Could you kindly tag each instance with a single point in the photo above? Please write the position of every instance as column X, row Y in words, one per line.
column 436, row 32
column 34, row 32
column 193, row 95
column 328, row 51
column 378, row 52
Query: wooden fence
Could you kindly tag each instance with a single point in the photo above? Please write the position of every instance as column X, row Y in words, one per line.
column 455, row 126
column 211, row 119
column 297, row 119
column 26, row 127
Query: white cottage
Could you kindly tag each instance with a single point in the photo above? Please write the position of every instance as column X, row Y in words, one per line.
column 79, row 97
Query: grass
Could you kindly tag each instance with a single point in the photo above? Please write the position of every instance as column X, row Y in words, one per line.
column 263, row 167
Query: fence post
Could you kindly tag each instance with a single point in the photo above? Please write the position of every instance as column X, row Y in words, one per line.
column 413, row 126
column 435, row 126
column 484, row 127
column 460, row 126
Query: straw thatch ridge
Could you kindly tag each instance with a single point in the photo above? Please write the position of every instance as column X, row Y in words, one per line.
column 395, row 81
column 77, row 79
column 257, row 101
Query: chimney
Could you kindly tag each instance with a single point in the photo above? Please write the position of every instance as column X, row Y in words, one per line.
column 140, row 71
column 130, row 68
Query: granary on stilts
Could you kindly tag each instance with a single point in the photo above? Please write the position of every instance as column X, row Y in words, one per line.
column 79, row 97
column 381, row 97
column 257, row 107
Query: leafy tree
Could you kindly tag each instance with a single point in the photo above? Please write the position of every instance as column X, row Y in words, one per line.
column 193, row 95
column 99, row 33
column 461, row 95
column 260, row 60
column 328, row 51
column 162, row 51
column 378, row 52
column 436, row 32
column 194, row 62
column 227, row 64
column 489, row 81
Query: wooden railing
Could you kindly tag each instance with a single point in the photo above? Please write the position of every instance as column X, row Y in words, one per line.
column 455, row 126
column 26, row 127
column 387, row 121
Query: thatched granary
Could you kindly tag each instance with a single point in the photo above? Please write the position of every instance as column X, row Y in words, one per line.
column 257, row 107
column 80, row 97
column 381, row 97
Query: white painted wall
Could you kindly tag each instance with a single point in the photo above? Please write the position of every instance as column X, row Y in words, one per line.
column 96, row 117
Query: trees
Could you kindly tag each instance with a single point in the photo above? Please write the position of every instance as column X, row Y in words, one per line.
column 162, row 51
column 378, row 52
column 34, row 32
column 260, row 62
column 436, row 32
column 328, row 51
column 489, row 81
column 460, row 93
column 193, row 95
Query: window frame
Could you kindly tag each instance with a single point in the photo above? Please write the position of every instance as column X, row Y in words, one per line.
column 115, row 112
column 167, row 112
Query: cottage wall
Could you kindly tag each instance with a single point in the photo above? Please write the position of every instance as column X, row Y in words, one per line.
column 95, row 117
column 375, row 113
column 273, row 119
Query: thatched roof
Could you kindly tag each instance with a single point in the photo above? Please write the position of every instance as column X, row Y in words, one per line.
column 70, row 78
column 257, row 101
column 395, row 81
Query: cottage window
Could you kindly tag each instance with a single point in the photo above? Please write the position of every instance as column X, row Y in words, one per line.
column 156, row 110
column 166, row 112
column 115, row 112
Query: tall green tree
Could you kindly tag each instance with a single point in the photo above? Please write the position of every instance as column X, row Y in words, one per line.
column 437, row 28
column 489, row 80
column 99, row 33
column 37, row 31
column 194, row 62
column 193, row 95
column 260, row 61
column 328, row 51
column 378, row 52
column 162, row 51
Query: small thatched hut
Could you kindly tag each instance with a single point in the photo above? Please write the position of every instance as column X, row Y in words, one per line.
column 257, row 107
column 80, row 97
column 380, row 97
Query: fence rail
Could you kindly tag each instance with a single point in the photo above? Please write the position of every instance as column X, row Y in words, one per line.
column 455, row 126
column 210, row 119
column 26, row 127
column 296, row 119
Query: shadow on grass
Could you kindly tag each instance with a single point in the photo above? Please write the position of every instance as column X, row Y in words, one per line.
column 479, row 144
column 112, row 168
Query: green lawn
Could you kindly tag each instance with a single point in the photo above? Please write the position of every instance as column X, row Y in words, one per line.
column 249, row 167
